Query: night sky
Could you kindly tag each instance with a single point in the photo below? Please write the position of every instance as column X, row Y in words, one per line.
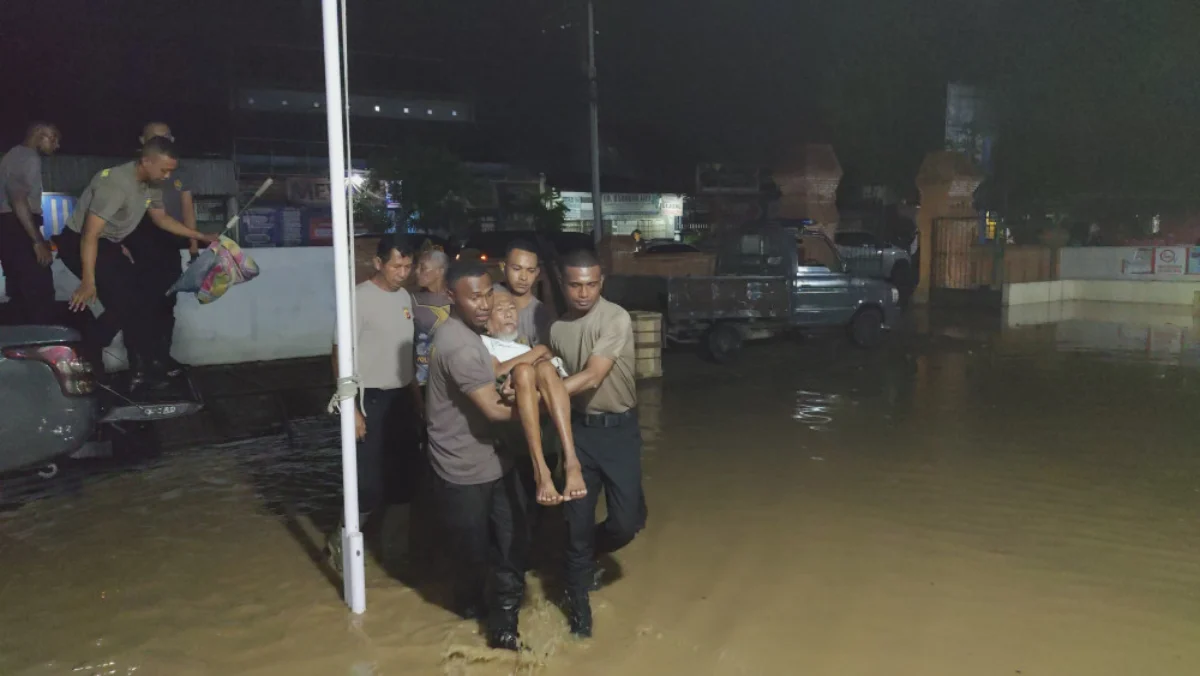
column 1101, row 95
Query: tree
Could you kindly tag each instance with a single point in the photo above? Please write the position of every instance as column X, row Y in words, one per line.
column 434, row 189
column 545, row 212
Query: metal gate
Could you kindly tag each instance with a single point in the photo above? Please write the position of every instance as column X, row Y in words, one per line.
column 951, row 255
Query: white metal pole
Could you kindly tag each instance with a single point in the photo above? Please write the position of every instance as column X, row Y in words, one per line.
column 354, row 584
column 594, row 126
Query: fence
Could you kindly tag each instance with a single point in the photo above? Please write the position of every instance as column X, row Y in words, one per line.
column 960, row 262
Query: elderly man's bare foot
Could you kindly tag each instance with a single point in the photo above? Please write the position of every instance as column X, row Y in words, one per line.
column 547, row 495
column 575, row 487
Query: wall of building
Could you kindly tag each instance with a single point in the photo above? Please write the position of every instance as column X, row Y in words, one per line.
column 287, row 312
column 1130, row 262
column 1182, row 292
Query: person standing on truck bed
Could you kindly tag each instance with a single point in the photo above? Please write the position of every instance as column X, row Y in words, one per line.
column 25, row 255
column 522, row 267
column 109, row 210
column 595, row 341
column 155, row 251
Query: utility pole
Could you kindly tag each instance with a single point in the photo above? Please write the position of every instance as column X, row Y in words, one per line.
column 594, row 120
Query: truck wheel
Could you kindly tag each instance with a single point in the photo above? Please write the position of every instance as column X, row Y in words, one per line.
column 866, row 329
column 723, row 342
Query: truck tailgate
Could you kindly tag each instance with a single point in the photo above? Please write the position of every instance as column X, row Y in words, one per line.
column 180, row 400
column 731, row 297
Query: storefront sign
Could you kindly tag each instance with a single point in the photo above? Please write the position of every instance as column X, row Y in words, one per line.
column 308, row 191
column 672, row 206
column 624, row 204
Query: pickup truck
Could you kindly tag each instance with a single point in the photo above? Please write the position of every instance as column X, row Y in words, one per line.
column 770, row 279
column 52, row 404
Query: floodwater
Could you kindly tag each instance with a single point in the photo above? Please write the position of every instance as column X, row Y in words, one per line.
column 967, row 501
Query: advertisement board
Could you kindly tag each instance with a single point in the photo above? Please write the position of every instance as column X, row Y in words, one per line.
column 970, row 124
column 1170, row 260
column 1193, row 265
column 1140, row 263
column 266, row 227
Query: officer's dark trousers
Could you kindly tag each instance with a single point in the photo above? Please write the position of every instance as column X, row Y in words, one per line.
column 28, row 285
column 125, row 299
column 487, row 528
column 389, row 456
column 157, row 261
column 609, row 447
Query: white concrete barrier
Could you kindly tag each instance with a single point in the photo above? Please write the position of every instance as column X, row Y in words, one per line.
column 286, row 312
column 1182, row 292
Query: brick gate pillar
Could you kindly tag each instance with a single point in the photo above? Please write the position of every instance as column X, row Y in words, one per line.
column 808, row 181
column 947, row 181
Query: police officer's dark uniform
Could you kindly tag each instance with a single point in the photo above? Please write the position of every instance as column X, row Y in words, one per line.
column 158, row 263
column 29, row 284
column 120, row 197
column 608, row 442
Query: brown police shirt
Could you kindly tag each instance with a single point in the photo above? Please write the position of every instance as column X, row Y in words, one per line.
column 119, row 198
column 605, row 331
column 461, row 447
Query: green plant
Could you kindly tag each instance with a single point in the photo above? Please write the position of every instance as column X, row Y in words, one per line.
column 544, row 211
column 434, row 188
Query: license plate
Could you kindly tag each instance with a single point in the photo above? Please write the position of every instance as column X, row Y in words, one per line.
column 160, row 410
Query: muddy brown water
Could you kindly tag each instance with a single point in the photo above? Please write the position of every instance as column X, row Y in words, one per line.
column 959, row 503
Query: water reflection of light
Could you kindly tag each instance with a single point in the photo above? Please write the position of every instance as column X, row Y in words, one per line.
column 815, row 409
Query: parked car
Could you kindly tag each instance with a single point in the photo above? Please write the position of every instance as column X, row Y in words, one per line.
column 52, row 404
column 770, row 279
column 867, row 256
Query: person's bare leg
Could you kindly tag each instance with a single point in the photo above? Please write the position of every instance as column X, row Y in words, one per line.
column 558, row 403
column 525, row 382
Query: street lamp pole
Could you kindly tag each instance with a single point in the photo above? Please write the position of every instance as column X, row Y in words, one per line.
column 594, row 120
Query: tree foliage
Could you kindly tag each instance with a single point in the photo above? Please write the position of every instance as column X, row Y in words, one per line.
column 434, row 189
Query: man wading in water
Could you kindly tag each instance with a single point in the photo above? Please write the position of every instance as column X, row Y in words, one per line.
column 389, row 422
column 481, row 498
column 595, row 341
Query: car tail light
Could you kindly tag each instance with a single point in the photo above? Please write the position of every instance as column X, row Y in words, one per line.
column 74, row 373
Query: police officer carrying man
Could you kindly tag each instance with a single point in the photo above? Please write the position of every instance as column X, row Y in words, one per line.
column 479, row 492
column 109, row 210
column 24, row 252
column 595, row 341
column 156, row 251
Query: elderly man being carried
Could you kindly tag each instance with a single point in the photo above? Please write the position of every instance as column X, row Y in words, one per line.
column 535, row 376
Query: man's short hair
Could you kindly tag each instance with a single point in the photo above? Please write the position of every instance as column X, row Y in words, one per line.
column 153, row 123
column 522, row 245
column 579, row 258
column 393, row 242
column 465, row 270
column 35, row 127
column 159, row 146
column 438, row 258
